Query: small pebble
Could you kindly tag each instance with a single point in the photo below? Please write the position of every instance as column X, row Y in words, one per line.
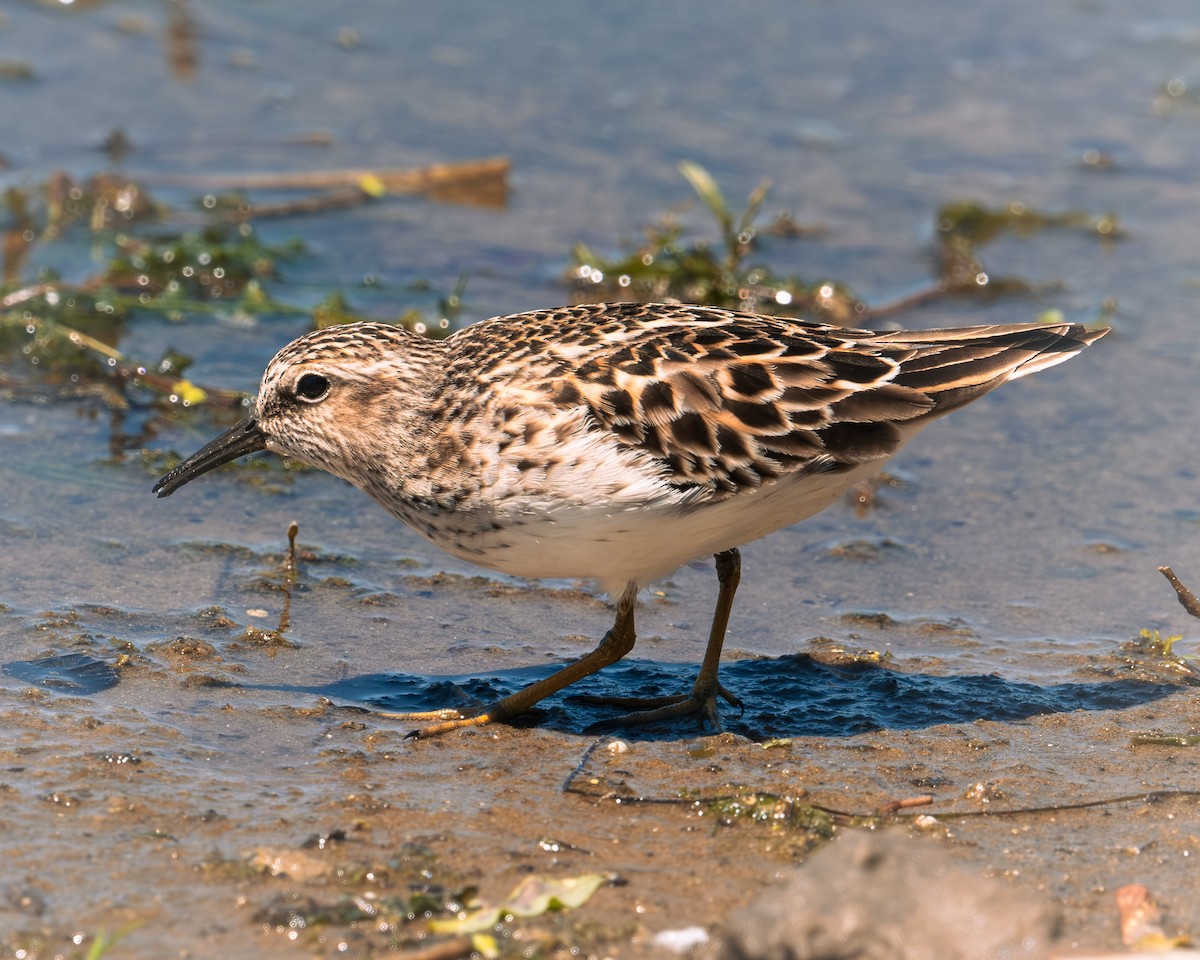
column 682, row 940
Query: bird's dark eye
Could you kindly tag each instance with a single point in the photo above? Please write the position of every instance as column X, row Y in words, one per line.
column 312, row 387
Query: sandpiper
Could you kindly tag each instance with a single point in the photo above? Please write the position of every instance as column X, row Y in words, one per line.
column 616, row 442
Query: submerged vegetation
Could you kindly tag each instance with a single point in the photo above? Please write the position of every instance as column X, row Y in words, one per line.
column 730, row 273
column 61, row 328
column 669, row 266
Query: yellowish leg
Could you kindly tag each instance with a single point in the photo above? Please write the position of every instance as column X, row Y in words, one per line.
column 616, row 643
column 703, row 698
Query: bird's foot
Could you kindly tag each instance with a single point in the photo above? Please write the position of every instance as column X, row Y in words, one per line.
column 615, row 644
column 439, row 721
column 700, row 703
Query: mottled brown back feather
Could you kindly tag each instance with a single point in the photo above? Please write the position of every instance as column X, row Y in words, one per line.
column 725, row 401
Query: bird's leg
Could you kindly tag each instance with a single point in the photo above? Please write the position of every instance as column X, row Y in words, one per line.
column 616, row 643
column 703, row 698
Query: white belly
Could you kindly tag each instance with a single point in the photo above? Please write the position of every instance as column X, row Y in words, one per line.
column 619, row 544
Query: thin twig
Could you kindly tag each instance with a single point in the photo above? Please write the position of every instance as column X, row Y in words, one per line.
column 14, row 297
column 926, row 294
column 1186, row 597
column 411, row 180
column 339, row 198
column 892, row 806
column 446, row 950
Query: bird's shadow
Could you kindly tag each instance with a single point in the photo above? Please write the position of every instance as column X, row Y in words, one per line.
column 789, row 696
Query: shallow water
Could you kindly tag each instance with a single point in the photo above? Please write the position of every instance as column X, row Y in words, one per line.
column 973, row 623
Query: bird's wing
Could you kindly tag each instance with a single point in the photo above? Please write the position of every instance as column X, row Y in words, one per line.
column 726, row 401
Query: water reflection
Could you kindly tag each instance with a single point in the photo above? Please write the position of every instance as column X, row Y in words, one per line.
column 73, row 673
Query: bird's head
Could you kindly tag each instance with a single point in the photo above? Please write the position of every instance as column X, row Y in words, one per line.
column 342, row 399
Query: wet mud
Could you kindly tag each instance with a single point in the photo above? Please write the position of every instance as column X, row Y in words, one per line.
column 191, row 762
column 204, row 790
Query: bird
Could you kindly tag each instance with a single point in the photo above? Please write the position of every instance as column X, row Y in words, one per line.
column 616, row 442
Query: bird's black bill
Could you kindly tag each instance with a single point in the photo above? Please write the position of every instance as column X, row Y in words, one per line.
column 243, row 437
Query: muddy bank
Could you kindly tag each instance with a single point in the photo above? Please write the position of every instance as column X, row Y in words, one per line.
column 270, row 820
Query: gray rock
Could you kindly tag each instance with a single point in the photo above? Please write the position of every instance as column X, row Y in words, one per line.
column 888, row 896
